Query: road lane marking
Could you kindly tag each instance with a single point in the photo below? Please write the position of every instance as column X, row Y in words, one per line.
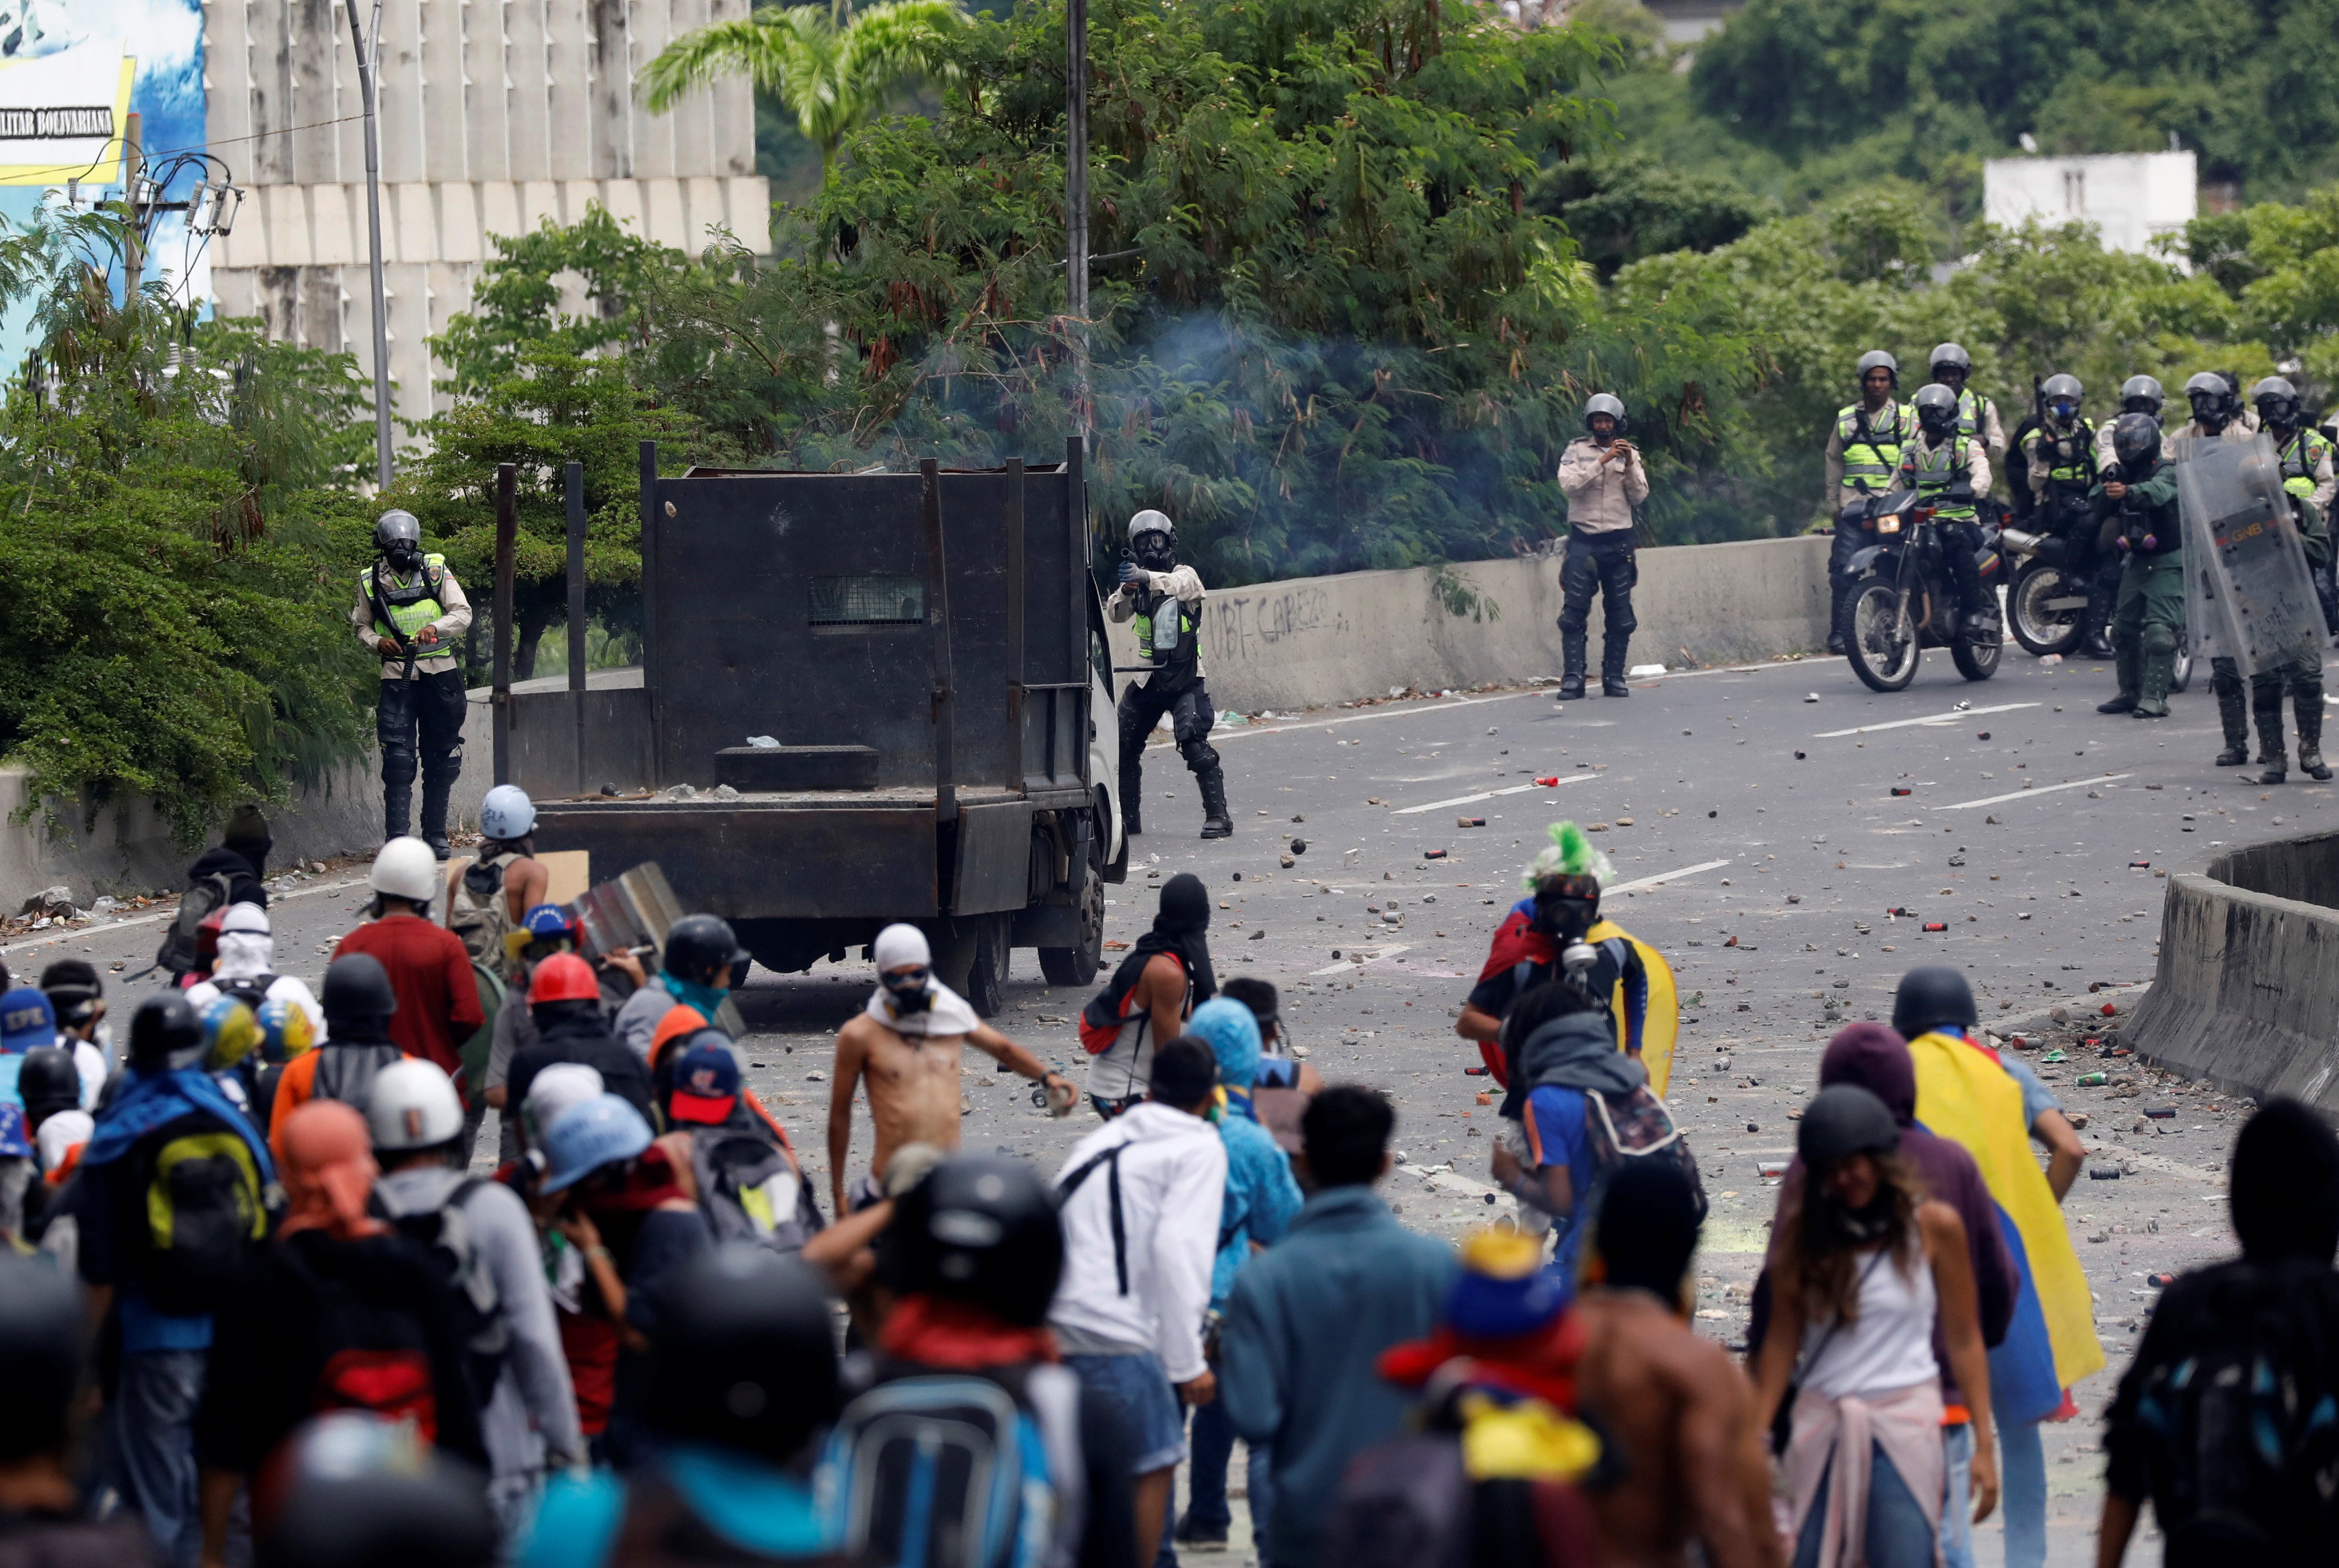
column 1344, row 965
column 1491, row 793
column 1650, row 881
column 1952, row 716
column 2026, row 793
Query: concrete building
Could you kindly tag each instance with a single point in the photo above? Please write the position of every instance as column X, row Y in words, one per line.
column 496, row 115
column 2133, row 197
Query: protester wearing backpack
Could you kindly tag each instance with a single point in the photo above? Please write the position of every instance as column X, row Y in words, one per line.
column 1165, row 977
column 428, row 968
column 359, row 1005
column 232, row 872
column 2225, row 1420
column 78, row 996
column 743, row 1379
column 486, row 902
column 742, row 1168
column 339, row 1312
column 481, row 1237
column 564, row 1005
column 246, row 969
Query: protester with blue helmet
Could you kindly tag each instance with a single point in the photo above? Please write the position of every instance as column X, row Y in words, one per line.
column 27, row 1021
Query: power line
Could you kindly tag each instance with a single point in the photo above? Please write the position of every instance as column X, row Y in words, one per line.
column 75, row 169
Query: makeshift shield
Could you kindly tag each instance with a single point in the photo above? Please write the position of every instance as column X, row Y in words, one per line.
column 2248, row 595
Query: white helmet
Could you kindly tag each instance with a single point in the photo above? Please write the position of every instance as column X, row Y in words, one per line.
column 405, row 869
column 563, row 1086
column 413, row 1105
column 507, row 813
column 1149, row 521
column 246, row 917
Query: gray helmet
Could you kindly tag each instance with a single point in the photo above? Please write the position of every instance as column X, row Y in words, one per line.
column 1937, row 408
column 397, row 529
column 2212, row 388
column 2135, row 437
column 2276, row 400
column 2141, row 390
column 1929, row 996
column 1950, row 354
column 2061, row 388
column 1149, row 521
column 1878, row 359
column 1603, row 403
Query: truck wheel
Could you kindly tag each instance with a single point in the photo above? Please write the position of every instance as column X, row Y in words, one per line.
column 986, row 977
column 1079, row 965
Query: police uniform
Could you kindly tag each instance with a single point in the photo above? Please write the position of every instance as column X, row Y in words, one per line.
column 1978, row 418
column 2150, row 614
column 419, row 712
column 1166, row 607
column 2225, row 676
column 1601, row 558
column 2060, row 467
column 1931, row 471
column 2307, row 472
column 2307, row 475
column 1864, row 447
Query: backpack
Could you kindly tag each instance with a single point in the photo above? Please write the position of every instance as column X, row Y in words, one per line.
column 958, row 1470
column 2242, row 1435
column 444, row 1235
column 373, row 1356
column 252, row 990
column 1410, row 1503
column 203, row 1210
column 1635, row 1125
column 478, row 911
column 751, row 1191
column 191, row 942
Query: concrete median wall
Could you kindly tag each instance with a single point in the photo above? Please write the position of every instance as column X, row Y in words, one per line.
column 2246, row 994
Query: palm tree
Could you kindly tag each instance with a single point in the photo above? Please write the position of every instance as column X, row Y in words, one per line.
column 832, row 67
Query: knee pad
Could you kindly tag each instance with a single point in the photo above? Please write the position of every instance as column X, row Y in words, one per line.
column 1621, row 626
column 2159, row 638
column 397, row 766
column 1200, row 755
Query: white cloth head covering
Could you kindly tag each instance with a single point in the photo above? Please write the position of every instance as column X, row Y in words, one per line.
column 245, row 946
column 900, row 944
column 554, row 1090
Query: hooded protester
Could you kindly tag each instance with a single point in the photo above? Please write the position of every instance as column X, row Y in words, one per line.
column 241, row 856
column 2222, row 1419
column 339, row 1312
column 1165, row 977
column 564, row 1005
column 1556, row 1036
column 246, row 969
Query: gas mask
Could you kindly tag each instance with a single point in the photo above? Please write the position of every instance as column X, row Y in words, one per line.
column 1565, row 908
column 1154, row 552
column 909, row 990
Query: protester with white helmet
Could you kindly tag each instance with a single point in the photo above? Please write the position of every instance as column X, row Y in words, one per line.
column 487, row 901
column 530, row 1420
column 428, row 968
column 246, row 969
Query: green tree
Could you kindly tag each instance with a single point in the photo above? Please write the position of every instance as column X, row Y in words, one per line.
column 834, row 69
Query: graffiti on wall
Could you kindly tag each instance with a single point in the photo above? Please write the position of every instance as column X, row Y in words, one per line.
column 1251, row 623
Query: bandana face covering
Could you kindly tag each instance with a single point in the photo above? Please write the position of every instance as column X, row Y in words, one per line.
column 1862, row 1227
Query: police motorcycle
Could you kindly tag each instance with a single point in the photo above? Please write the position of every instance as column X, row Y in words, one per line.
column 1904, row 600
column 2046, row 604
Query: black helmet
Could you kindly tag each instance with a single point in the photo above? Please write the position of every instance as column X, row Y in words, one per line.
column 702, row 947
column 357, row 989
column 745, row 1355
column 2211, row 397
column 1873, row 359
column 360, row 1493
column 1952, row 355
column 73, row 990
column 2135, row 438
column 165, row 1034
column 1932, row 995
column 1845, row 1119
column 1603, row 403
column 981, row 1228
column 2276, row 400
column 41, row 1342
column 1937, row 408
column 2062, row 388
column 48, row 1082
column 2142, row 395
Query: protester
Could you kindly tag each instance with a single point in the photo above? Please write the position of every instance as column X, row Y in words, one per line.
column 736, row 1158
column 77, row 994
column 169, row 1202
column 529, row 1423
column 49, row 1085
column 355, row 1491
column 246, row 969
column 1262, row 1199
column 360, row 1004
column 20, row 1178
column 241, row 855
column 27, row 1023
column 2223, row 1419
column 1155, row 990
column 1865, row 1262
column 564, row 1005
column 44, row 1520
column 1557, row 1040
column 490, row 897
column 1140, row 1199
column 285, row 1036
column 1283, row 1084
column 547, row 931
column 233, row 873
column 429, row 967
column 1308, row 1321
column 700, row 963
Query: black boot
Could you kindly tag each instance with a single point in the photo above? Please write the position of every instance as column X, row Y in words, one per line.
column 1839, row 615
column 1132, row 800
column 2265, row 706
column 1571, row 652
column 396, row 805
column 435, row 791
column 1216, row 823
column 2233, row 716
column 1611, row 672
column 2308, row 701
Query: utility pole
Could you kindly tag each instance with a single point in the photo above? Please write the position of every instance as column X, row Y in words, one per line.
column 367, row 61
column 1076, row 194
column 134, row 174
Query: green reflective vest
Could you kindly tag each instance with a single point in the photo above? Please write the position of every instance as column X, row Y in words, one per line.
column 1177, row 642
column 1931, row 474
column 2070, row 457
column 1970, row 407
column 2301, row 456
column 411, row 605
column 1872, row 451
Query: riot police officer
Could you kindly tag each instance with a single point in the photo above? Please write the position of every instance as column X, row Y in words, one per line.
column 2307, row 470
column 2139, row 395
column 2217, row 411
column 1949, row 473
column 1977, row 415
column 410, row 610
column 1863, row 452
column 2136, row 503
column 1601, row 474
column 2060, row 457
column 1165, row 600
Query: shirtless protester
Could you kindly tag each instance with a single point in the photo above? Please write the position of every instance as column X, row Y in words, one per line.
column 1166, row 976
column 906, row 1044
column 1683, row 1416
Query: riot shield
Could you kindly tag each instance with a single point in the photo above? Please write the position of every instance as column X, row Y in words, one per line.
column 2249, row 596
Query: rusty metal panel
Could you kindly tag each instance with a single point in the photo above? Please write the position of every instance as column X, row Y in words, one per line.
column 751, row 861
column 994, row 858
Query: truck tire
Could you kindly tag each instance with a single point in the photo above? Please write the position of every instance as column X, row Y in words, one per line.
column 1079, row 965
column 971, row 960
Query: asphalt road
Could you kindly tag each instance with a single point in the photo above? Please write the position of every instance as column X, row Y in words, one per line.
column 1759, row 842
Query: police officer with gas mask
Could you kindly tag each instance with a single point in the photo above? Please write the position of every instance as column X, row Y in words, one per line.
column 1949, row 473
column 2217, row 411
column 2305, row 454
column 1165, row 601
column 410, row 611
column 2060, row 463
column 2135, row 503
column 2139, row 395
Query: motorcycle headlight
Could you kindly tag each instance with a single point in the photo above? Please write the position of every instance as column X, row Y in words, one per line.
column 1888, row 524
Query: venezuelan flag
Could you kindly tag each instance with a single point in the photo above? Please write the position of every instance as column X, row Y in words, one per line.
column 1652, row 1018
column 1965, row 1096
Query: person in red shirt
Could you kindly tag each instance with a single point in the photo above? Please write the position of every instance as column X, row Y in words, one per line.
column 429, row 967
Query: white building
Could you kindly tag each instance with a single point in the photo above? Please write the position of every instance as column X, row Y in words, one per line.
column 2132, row 198
column 495, row 115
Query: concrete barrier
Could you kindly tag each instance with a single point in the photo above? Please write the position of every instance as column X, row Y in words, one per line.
column 2246, row 994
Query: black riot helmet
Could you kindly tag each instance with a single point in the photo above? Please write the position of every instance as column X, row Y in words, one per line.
column 1845, row 1119
column 982, row 1228
column 165, row 1034
column 357, row 997
column 2142, row 395
column 2213, row 400
column 1878, row 359
column 41, row 1336
column 398, row 534
column 2277, row 402
column 1153, row 540
column 359, row 1491
column 744, row 1356
column 1604, row 403
column 47, row 1082
column 2061, row 393
column 1937, row 409
column 1950, row 359
column 2136, row 441
column 1931, row 996
column 704, row 948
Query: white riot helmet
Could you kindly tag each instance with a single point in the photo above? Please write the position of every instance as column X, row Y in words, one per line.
column 1153, row 539
column 507, row 813
column 405, row 869
column 413, row 1105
